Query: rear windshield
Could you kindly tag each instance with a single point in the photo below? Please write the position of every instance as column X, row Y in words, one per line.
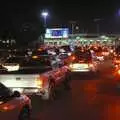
column 31, row 66
column 27, row 70
column 84, row 56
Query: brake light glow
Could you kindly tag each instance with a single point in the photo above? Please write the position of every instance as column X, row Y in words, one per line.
column 40, row 49
column 73, row 57
column 90, row 65
column 39, row 82
column 70, row 65
column 119, row 72
column 117, row 61
column 34, row 57
column 7, row 108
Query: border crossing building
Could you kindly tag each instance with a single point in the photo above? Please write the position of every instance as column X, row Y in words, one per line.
column 83, row 39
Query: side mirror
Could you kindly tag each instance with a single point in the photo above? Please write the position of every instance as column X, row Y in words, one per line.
column 16, row 94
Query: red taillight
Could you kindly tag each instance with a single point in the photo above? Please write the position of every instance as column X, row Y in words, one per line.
column 73, row 57
column 90, row 65
column 39, row 82
column 8, row 107
column 118, row 72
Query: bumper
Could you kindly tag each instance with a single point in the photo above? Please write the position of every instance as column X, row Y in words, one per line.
column 30, row 91
column 80, row 70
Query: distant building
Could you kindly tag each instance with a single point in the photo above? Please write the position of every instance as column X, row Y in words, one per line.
column 83, row 39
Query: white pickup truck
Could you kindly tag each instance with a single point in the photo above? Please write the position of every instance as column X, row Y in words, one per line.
column 36, row 77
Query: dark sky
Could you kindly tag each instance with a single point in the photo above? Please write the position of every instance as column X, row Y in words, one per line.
column 14, row 14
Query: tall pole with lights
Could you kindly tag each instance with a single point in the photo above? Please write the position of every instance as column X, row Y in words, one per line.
column 97, row 21
column 45, row 15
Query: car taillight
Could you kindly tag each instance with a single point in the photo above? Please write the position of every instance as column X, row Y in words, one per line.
column 7, row 107
column 91, row 65
column 71, row 65
column 39, row 82
column 118, row 72
column 73, row 57
column 117, row 61
column 34, row 57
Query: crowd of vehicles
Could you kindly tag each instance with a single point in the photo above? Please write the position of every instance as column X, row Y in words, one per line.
column 40, row 72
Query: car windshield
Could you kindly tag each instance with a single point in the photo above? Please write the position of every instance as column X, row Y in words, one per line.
column 39, row 62
column 83, row 56
column 31, row 66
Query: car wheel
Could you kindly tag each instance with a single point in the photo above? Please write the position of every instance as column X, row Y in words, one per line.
column 50, row 93
column 24, row 114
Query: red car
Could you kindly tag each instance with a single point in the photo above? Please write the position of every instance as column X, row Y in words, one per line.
column 13, row 105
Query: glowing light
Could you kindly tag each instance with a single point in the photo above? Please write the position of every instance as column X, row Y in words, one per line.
column 12, row 68
column 8, row 107
column 34, row 57
column 40, row 49
column 73, row 57
column 44, row 14
column 91, row 65
column 69, row 54
column 39, row 82
column 70, row 65
column 119, row 72
column 1, row 102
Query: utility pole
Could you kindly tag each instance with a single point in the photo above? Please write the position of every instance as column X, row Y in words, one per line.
column 97, row 20
column 73, row 23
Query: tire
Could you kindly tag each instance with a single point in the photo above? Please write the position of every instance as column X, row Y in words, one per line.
column 24, row 114
column 50, row 92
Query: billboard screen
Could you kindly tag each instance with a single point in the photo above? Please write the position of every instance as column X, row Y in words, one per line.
column 57, row 33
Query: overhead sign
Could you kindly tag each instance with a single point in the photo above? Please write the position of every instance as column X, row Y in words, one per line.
column 57, row 33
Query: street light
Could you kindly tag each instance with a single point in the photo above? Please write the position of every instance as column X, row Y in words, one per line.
column 44, row 15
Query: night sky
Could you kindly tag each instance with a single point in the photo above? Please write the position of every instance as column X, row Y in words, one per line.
column 18, row 14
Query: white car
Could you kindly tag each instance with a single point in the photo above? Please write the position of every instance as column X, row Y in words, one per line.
column 13, row 105
column 83, row 63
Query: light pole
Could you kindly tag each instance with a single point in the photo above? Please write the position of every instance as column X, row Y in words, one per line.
column 45, row 15
column 72, row 26
column 97, row 20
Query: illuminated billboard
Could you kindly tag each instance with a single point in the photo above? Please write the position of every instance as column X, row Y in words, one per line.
column 57, row 33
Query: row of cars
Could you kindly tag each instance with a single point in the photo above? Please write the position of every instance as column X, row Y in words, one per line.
column 39, row 74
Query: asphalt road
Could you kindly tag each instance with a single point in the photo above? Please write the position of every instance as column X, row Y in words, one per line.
column 92, row 97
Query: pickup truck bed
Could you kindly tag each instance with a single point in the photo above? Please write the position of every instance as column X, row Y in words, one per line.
column 34, row 81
